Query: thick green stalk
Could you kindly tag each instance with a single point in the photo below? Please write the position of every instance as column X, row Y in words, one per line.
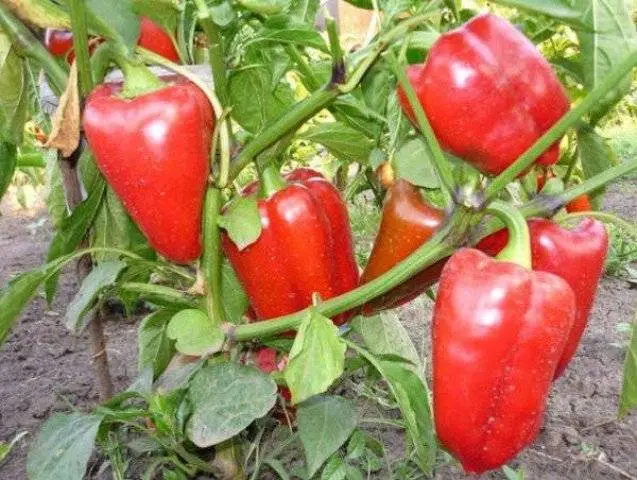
column 215, row 47
column 27, row 45
column 80, row 45
column 271, row 181
column 212, row 255
column 441, row 164
column 560, row 128
column 518, row 247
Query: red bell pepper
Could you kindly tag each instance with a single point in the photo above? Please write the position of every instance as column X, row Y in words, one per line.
column 575, row 255
column 152, row 37
column 488, row 94
column 407, row 222
column 305, row 247
column 58, row 42
column 499, row 330
column 154, row 152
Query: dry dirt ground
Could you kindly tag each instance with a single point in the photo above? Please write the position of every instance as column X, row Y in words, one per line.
column 43, row 369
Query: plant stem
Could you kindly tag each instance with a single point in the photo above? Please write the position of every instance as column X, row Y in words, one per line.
column 80, row 45
column 212, row 255
column 518, row 247
column 441, row 165
column 270, row 181
column 560, row 128
column 27, row 45
column 215, row 47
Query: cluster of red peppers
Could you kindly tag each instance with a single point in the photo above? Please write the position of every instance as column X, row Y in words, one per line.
column 502, row 330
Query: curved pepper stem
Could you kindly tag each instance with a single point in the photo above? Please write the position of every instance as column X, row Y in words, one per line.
column 518, row 248
column 138, row 79
column 271, row 181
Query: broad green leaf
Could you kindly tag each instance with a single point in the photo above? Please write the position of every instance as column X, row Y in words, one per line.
column 607, row 37
column 194, row 333
column 317, row 343
column 301, row 35
column 155, row 348
column 265, row 7
column 222, row 13
column 377, row 85
column 63, row 447
column 163, row 12
column 342, row 141
column 628, row 398
column 325, row 423
column 384, row 334
column 226, row 398
column 254, row 103
column 72, row 230
column 335, row 468
column 595, row 155
column 303, row 11
column 5, row 448
column 412, row 395
column 235, row 300
column 103, row 275
column 13, row 93
column 55, row 200
column 112, row 226
column 114, row 18
column 178, row 373
column 14, row 297
column 558, row 9
column 242, row 221
column 8, row 158
column 413, row 163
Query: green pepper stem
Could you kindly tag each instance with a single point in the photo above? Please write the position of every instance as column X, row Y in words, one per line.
column 215, row 49
column 212, row 255
column 445, row 176
column 80, row 46
column 518, row 248
column 560, row 128
column 271, row 180
column 138, row 79
column 27, row 45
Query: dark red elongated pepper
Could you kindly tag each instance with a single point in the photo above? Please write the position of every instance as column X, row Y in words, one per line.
column 152, row 37
column 407, row 222
column 305, row 247
column 154, row 152
column 575, row 255
column 488, row 94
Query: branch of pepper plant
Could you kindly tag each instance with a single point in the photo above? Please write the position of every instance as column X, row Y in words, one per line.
column 560, row 128
column 80, row 47
column 321, row 98
column 27, row 45
column 461, row 227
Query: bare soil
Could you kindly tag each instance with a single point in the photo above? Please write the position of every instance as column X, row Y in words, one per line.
column 44, row 369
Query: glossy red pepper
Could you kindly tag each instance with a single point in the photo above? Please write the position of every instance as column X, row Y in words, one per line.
column 154, row 152
column 488, row 94
column 58, row 42
column 498, row 332
column 407, row 222
column 154, row 38
column 305, row 247
column 576, row 255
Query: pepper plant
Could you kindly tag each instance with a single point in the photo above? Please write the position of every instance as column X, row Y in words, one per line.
column 259, row 317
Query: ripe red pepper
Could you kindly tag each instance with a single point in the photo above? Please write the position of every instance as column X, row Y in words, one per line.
column 488, row 94
column 267, row 361
column 579, row 204
column 154, row 151
column 152, row 37
column 576, row 255
column 499, row 330
column 58, row 42
column 305, row 247
column 407, row 222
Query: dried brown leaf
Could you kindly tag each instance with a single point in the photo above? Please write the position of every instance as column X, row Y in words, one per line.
column 65, row 135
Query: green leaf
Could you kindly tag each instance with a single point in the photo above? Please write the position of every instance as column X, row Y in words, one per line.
column 235, row 300
column 303, row 11
column 103, row 275
column 163, row 12
column 63, row 447
column 413, row 163
column 255, row 103
column 317, row 343
column 300, row 34
column 242, row 221
column 155, row 348
column 342, row 141
column 72, row 230
column 194, row 333
column 115, row 18
column 265, row 7
column 596, row 156
column 5, row 448
column 384, row 334
column 607, row 37
column 335, row 468
column 628, row 398
column 14, row 99
column 8, row 160
column 222, row 13
column 325, row 423
column 112, row 227
column 558, row 9
column 15, row 296
column 226, row 398
column 55, row 200
column 412, row 396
